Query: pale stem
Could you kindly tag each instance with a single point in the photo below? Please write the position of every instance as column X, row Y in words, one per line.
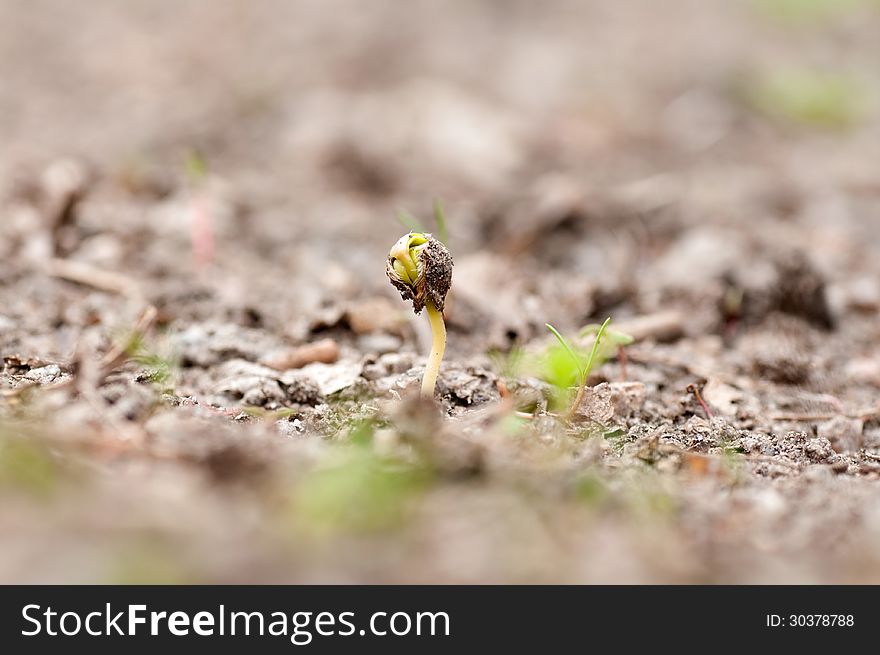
column 438, row 347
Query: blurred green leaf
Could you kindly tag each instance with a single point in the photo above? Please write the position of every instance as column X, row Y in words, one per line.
column 196, row 166
column 575, row 359
column 559, row 368
column 358, row 491
column 148, row 563
column 809, row 11
column 612, row 336
column 160, row 368
column 413, row 224
column 440, row 220
column 808, row 97
column 409, row 221
column 513, row 425
column 590, row 489
column 27, row 466
column 594, row 351
column 362, row 431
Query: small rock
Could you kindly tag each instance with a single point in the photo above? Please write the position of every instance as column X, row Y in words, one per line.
column 253, row 390
column 302, row 391
column 290, row 428
column 840, row 466
column 646, row 447
column 750, row 444
column 627, row 397
column 242, row 368
column 325, row 351
column 329, row 378
column 662, row 326
column 260, row 386
column 610, row 400
column 596, row 405
column 470, row 386
column 44, row 374
column 399, row 384
column 528, row 392
column 818, row 449
column 15, row 365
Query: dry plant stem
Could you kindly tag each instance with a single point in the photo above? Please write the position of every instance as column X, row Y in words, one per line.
column 88, row 275
column 577, row 401
column 438, row 347
column 695, row 390
column 621, row 359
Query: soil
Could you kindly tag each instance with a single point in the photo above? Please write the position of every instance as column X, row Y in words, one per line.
column 207, row 377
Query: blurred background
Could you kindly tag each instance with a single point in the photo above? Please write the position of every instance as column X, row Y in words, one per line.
column 319, row 121
column 198, row 196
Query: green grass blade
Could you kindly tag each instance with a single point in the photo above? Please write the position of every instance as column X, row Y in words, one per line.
column 409, row 221
column 568, row 349
column 617, row 337
column 595, row 349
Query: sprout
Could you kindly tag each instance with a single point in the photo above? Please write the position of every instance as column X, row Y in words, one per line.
column 420, row 268
column 584, row 368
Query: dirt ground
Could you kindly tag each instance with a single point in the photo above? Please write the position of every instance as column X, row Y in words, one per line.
column 207, row 377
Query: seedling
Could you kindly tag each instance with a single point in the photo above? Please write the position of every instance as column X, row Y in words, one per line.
column 420, row 268
column 613, row 344
column 583, row 368
column 159, row 368
column 613, row 339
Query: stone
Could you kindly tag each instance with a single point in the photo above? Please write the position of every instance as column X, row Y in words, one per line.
column 43, row 374
column 325, row 351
